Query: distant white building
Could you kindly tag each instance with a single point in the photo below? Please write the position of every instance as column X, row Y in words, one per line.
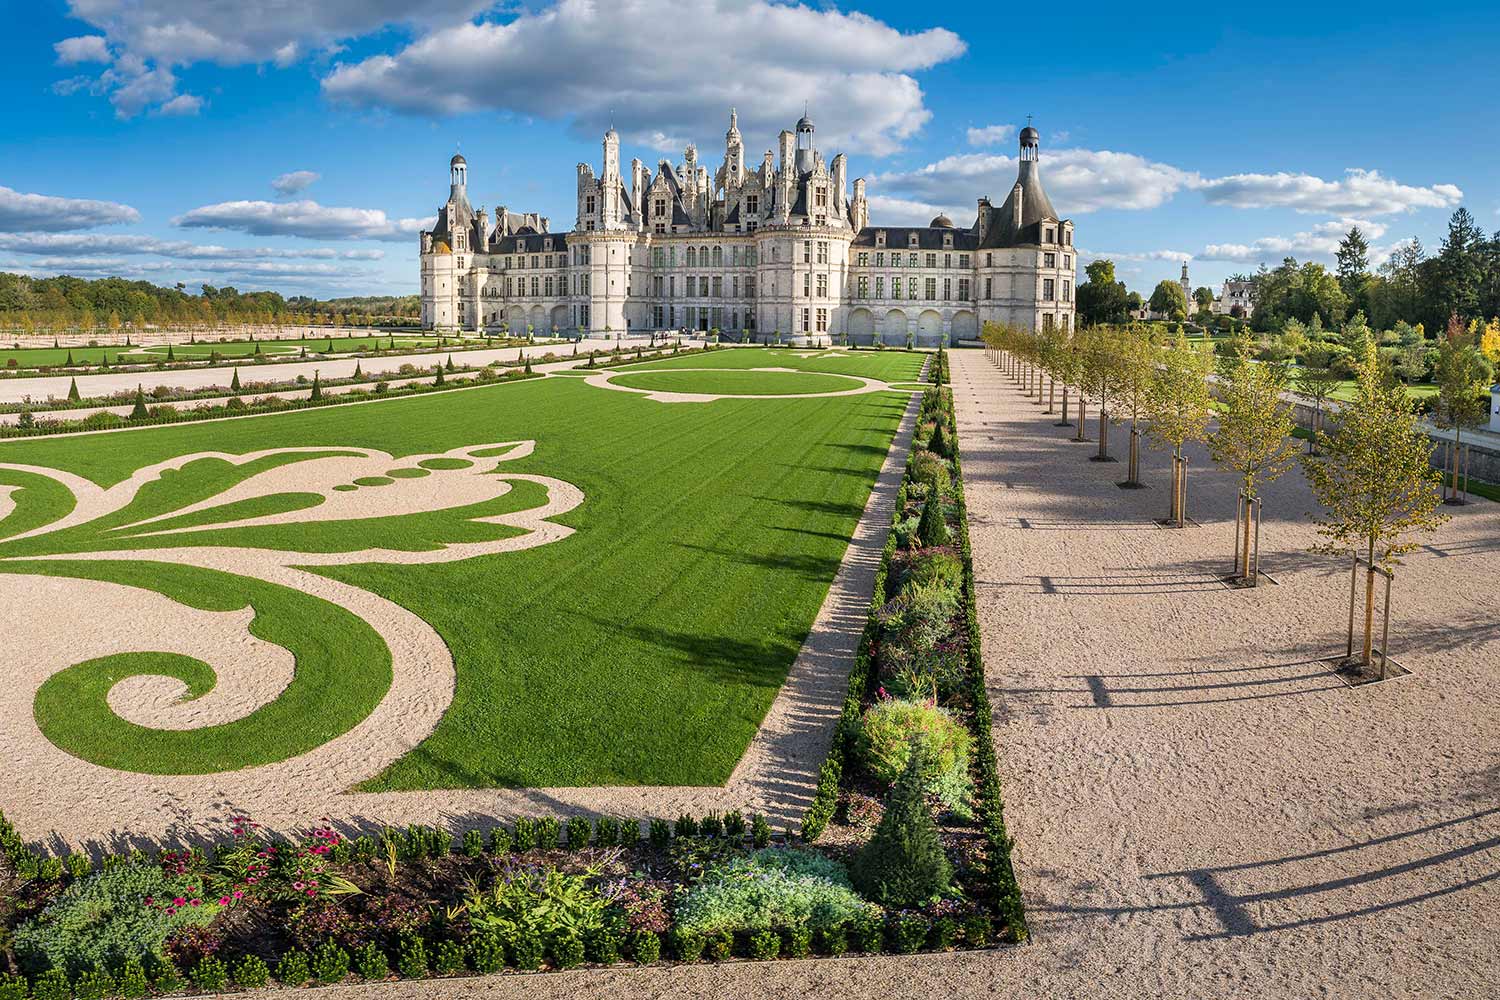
column 779, row 249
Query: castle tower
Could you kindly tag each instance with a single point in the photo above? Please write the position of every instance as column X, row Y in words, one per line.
column 1187, row 288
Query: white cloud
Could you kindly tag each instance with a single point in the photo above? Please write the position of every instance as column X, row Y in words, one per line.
column 84, row 245
column 305, row 218
column 181, row 105
column 1077, row 180
column 1321, row 241
column 885, row 211
column 20, row 212
column 990, row 135
column 84, row 48
column 768, row 57
column 297, row 180
column 1143, row 255
column 1363, row 191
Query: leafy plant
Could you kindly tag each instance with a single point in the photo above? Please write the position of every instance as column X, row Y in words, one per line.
column 602, row 944
column 548, row 831
column 606, row 831
column 770, row 889
column 764, row 944
column 96, row 984
column 908, row 933
column 13, row 987
column 450, row 957
column 211, row 975
column 712, row 825
column 645, row 947
column 932, row 529
column 329, row 963
column 832, row 940
column 52, row 985
column 718, row 945
column 486, row 953
column 893, row 728
column 686, row 826
column 566, row 950
column 526, row 949
column 132, row 982
column 544, row 901
column 105, row 919
column 371, row 963
column 500, row 840
column 904, row 863
column 473, row 844
column 734, row 825
column 294, row 969
column 525, row 834
column 580, row 830
column 760, row 831
column 686, row 945
column 411, row 960
column 979, row 930
column 661, row 834
column 796, row 941
column 251, row 973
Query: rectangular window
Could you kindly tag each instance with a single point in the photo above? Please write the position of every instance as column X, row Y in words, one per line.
column 963, row 289
column 1048, row 286
column 749, row 287
column 589, row 205
column 659, row 208
column 804, row 320
column 963, row 260
column 671, row 286
column 807, row 251
column 822, row 252
column 822, row 320
column 807, row 285
column 880, row 260
column 549, row 286
column 989, row 288
column 1067, row 290
column 1049, row 260
column 1048, row 237
column 1067, row 262
column 911, row 288
column 749, row 256
column 1047, row 322
column 657, row 284
column 947, row 289
column 932, row 260
column 536, row 284
column 718, row 287
column 864, row 260
column 911, row 260
column 752, row 204
column 929, row 289
column 734, row 287
column 895, row 286
column 879, row 287
column 862, row 290
column 823, row 286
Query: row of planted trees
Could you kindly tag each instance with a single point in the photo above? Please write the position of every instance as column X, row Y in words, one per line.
column 1372, row 473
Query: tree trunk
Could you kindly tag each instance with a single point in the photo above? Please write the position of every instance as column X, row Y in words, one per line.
column 1245, row 571
column 1135, row 455
column 1064, row 421
column 1083, row 410
column 1051, row 393
column 1103, row 432
column 1369, row 605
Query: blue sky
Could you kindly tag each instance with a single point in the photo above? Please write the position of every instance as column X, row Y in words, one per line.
column 144, row 137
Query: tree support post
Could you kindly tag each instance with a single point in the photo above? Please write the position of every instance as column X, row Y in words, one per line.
column 1247, row 538
column 1051, row 393
column 1371, row 570
column 1064, row 421
column 1083, row 405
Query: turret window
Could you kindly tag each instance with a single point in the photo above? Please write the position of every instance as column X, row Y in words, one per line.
column 1048, row 237
column 752, row 204
column 1049, row 260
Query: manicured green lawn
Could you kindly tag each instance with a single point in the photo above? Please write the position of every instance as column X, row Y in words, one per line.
column 888, row 366
column 38, row 357
column 643, row 649
column 737, row 383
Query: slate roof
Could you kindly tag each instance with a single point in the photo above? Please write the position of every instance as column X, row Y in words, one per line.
column 1036, row 208
column 507, row 244
column 928, row 238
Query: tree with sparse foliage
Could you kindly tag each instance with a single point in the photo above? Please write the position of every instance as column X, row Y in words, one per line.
column 1179, row 407
column 1101, row 378
column 1135, row 358
column 1463, row 378
column 1254, row 436
column 1316, row 383
column 1374, row 478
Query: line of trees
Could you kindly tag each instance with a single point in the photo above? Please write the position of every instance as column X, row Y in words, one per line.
column 1372, row 473
column 69, row 305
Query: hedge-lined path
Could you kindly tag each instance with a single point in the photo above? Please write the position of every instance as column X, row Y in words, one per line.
column 1201, row 808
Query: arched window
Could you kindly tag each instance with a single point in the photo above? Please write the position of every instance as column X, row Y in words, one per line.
column 692, row 257
column 718, row 256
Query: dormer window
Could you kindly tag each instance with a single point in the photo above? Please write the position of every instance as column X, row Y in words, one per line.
column 947, row 241
column 880, row 237
column 1048, row 237
column 546, row 244
column 588, row 205
column 520, row 246
column 911, row 240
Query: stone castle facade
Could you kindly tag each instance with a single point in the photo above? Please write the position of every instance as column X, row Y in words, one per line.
column 779, row 249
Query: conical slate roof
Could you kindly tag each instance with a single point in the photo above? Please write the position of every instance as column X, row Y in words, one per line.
column 1036, row 208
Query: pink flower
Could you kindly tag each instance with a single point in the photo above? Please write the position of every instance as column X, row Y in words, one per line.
column 196, row 902
column 149, row 900
column 238, row 894
column 312, row 892
column 178, row 901
column 299, row 885
column 223, row 900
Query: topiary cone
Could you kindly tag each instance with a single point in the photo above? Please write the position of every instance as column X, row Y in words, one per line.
column 932, row 529
column 904, row 863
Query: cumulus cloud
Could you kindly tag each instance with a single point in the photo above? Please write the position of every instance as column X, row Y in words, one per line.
column 182, row 104
column 305, row 218
column 1321, row 241
column 294, row 182
column 116, row 245
column 768, row 58
column 990, row 135
column 20, row 212
column 1077, row 180
column 82, row 49
column 1177, row 256
column 886, row 211
column 1363, row 191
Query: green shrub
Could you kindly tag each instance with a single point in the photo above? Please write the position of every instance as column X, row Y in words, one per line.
column 770, row 889
column 929, row 470
column 330, row 963
column 548, row 832
column 760, row 831
column 939, row 443
column 566, row 950
column 630, row 832
column 486, row 954
column 712, row 825
column 133, row 983
column 473, row 844
column 411, row 960
column 645, row 947
column 606, row 831
column 686, row 945
column 932, row 529
column 96, row 984
column 210, row 975
column 525, row 834
column 165, row 978
column 685, row 826
column 450, row 957
column 371, row 963
column 734, row 825
column 661, row 834
column 500, row 841
column 293, row 969
column 526, row 949
column 545, row 902
column 365, row 848
column 764, row 945
column 105, row 919
column 718, row 945
column 250, row 973
column 941, row 568
column 908, row 933
column 580, row 830
column 796, row 941
column 52, row 985
column 832, row 940
column 979, row 930
column 602, row 944
column 78, row 865
column 904, row 863
column 13, row 987
column 892, row 728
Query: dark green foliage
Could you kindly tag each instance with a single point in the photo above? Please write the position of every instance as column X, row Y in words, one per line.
column 317, row 388
column 234, row 381
column 251, row 973
column 566, row 950
column 764, row 944
column 734, row 825
column 73, row 395
column 933, row 528
column 661, row 834
column 760, row 831
column 904, row 863
column 473, row 844
column 526, row 949
column 603, row 944
column 139, row 411
column 500, row 840
column 687, row 946
column 630, row 832
column 939, row 443
column 426, row 842
column 52, row 985
column 13, row 987
column 979, row 930
column 832, row 940
column 450, row 957
column 796, row 941
column 579, row 832
column 525, row 838
column 712, row 825
column 718, row 945
column 606, row 831
column 371, row 963
column 450, row 366
column 486, row 954
column 210, row 975
column 645, row 947
column 548, row 830
column 330, row 963
column 96, row 984
column 869, row 934
column 686, row 826
column 132, row 982
column 364, row 848
column 439, row 379
column 165, row 978
column 293, row 969
column 908, row 933
column 944, row 933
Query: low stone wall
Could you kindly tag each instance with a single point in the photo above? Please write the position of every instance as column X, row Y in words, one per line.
column 1484, row 448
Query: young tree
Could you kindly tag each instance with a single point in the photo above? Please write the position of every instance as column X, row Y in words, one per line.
column 1135, row 356
column 1463, row 377
column 1254, row 437
column 1203, row 298
column 1316, row 384
column 904, row 863
column 1101, row 299
column 1103, row 378
column 1374, row 477
column 1179, row 409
